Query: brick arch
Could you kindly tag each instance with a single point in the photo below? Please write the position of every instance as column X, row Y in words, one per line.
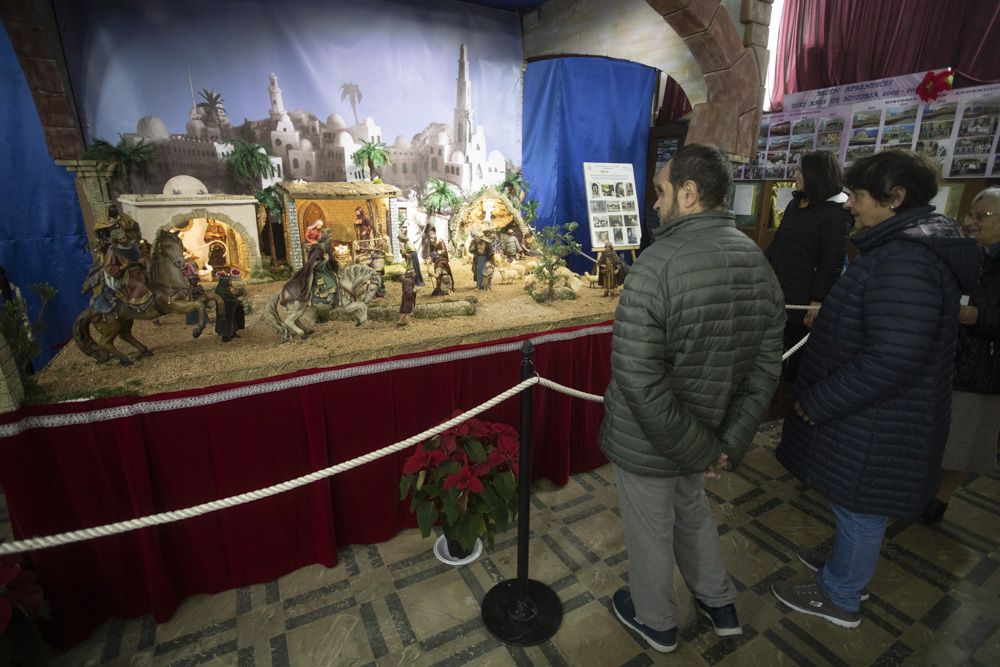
column 734, row 68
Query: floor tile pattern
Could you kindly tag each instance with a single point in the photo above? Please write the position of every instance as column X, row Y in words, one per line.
column 935, row 599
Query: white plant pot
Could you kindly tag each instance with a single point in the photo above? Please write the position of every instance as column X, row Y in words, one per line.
column 441, row 551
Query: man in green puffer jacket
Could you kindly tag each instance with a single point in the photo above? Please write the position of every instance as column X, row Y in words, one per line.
column 695, row 358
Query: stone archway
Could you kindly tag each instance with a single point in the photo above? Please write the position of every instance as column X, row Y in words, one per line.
column 246, row 244
column 734, row 68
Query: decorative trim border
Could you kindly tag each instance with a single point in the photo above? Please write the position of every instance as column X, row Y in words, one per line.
column 184, row 402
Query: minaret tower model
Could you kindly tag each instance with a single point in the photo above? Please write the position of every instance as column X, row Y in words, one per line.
column 277, row 103
column 463, row 102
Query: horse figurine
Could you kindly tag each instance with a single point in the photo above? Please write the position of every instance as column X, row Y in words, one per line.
column 356, row 286
column 171, row 294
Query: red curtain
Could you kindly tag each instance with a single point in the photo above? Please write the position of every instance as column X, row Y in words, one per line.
column 172, row 451
column 674, row 105
column 825, row 43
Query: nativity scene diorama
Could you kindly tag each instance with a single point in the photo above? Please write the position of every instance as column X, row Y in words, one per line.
column 290, row 229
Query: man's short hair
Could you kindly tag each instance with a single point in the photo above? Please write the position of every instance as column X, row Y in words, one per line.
column 708, row 167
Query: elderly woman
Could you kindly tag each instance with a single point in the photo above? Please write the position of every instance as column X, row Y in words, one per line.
column 975, row 402
column 871, row 414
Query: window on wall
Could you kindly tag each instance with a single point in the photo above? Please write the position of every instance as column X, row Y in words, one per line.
column 434, row 163
column 309, row 168
column 777, row 9
column 295, row 163
column 277, row 142
column 404, row 168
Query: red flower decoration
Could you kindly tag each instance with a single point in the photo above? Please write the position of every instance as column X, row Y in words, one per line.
column 464, row 479
column 934, row 84
column 423, row 459
column 506, row 453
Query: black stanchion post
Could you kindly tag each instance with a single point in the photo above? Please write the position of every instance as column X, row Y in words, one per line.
column 523, row 611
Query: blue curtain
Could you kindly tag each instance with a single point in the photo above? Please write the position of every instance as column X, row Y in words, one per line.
column 580, row 110
column 42, row 239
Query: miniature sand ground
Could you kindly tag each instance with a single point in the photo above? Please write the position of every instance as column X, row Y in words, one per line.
column 180, row 362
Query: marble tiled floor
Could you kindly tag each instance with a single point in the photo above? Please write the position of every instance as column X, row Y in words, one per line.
column 935, row 597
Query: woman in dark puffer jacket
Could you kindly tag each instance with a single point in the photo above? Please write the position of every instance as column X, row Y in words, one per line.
column 807, row 253
column 975, row 410
column 873, row 390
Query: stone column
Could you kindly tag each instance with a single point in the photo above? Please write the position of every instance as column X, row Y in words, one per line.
column 92, row 191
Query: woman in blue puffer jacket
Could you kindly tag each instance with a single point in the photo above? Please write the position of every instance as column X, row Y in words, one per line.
column 872, row 397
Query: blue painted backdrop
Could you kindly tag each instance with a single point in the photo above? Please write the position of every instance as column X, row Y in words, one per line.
column 580, row 110
column 42, row 237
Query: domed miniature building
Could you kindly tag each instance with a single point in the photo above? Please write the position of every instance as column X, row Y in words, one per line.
column 195, row 128
column 184, row 185
column 344, row 139
column 442, row 139
column 335, row 122
column 305, row 145
column 368, row 121
column 152, row 128
column 401, row 142
column 457, row 156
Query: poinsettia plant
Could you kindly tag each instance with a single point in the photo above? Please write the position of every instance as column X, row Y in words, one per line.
column 467, row 478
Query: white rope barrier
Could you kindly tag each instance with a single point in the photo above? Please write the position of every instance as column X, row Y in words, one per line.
column 35, row 543
column 795, row 348
column 70, row 537
column 795, row 307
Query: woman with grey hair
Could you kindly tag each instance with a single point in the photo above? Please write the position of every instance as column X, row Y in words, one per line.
column 975, row 403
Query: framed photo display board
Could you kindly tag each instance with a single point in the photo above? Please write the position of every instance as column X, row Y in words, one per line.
column 612, row 205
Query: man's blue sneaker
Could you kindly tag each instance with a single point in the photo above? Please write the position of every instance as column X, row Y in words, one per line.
column 664, row 641
column 724, row 619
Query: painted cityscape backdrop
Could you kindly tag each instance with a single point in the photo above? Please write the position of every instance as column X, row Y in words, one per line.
column 437, row 81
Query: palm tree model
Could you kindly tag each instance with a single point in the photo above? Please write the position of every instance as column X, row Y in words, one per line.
column 269, row 210
column 440, row 197
column 371, row 154
column 123, row 157
column 212, row 106
column 250, row 163
column 514, row 186
column 352, row 91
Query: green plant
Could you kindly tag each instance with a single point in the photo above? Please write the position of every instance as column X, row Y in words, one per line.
column 529, row 211
column 271, row 206
column 439, row 197
column 371, row 154
column 21, row 334
column 212, row 106
column 351, row 91
column 555, row 243
column 250, row 163
column 122, row 157
column 514, row 186
column 467, row 478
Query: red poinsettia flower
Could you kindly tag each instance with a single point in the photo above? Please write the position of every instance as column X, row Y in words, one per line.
column 506, row 453
column 935, row 83
column 423, row 459
column 464, row 479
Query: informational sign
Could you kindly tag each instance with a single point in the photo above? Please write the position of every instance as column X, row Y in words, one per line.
column 958, row 130
column 612, row 205
column 853, row 93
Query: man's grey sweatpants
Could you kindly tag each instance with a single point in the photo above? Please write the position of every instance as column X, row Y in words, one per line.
column 668, row 518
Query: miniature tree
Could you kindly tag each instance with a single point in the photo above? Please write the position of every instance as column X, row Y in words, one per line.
column 440, row 197
column 21, row 334
column 212, row 106
column 352, row 92
column 270, row 209
column 250, row 163
column 514, row 186
column 555, row 243
column 122, row 157
column 371, row 154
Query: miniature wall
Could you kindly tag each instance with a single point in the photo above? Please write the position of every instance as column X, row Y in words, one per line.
column 155, row 212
